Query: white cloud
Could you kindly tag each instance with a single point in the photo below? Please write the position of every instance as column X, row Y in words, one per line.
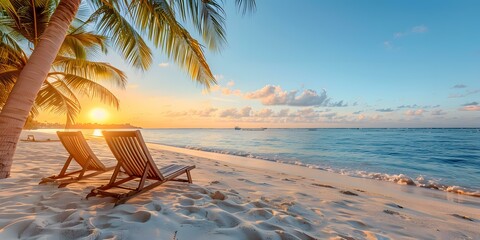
column 164, row 64
column 385, row 110
column 438, row 112
column 466, row 93
column 459, row 86
column 275, row 95
column 228, row 91
column 245, row 112
column 218, row 77
column 471, row 108
column 203, row 113
column 229, row 113
column 283, row 113
column 419, row 29
column 388, row 44
column 264, row 113
column 418, row 112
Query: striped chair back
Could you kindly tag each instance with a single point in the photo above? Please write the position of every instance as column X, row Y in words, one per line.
column 77, row 147
column 132, row 153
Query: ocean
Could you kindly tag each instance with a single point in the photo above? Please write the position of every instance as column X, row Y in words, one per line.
column 443, row 159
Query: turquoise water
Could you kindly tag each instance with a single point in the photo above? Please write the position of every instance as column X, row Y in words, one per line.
column 445, row 159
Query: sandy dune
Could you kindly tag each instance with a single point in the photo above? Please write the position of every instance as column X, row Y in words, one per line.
column 263, row 200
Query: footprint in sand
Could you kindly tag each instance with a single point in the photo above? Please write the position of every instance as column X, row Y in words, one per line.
column 252, row 182
column 61, row 217
column 269, row 227
column 187, row 202
column 302, row 235
column 102, row 221
column 226, row 172
column 348, row 193
column 141, row 217
column 357, row 224
column 230, row 207
column 394, row 205
column 322, row 185
column 249, row 231
column 256, row 214
column 223, row 219
column 193, row 196
column 154, row 206
column 298, row 222
column 259, row 204
column 463, row 217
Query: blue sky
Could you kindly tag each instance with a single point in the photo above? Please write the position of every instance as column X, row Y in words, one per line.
column 330, row 63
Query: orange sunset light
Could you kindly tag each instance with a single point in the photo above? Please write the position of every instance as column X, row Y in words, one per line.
column 98, row 115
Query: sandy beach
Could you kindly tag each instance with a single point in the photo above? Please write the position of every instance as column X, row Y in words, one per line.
column 262, row 200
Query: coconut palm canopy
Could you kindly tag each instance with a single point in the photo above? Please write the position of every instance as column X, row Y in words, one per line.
column 71, row 74
column 124, row 23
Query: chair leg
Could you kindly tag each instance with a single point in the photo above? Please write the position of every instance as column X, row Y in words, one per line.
column 189, row 176
column 67, row 163
column 61, row 174
column 92, row 193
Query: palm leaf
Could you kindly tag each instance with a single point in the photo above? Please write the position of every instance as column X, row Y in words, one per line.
column 9, row 40
column 83, row 44
column 98, row 71
column 58, row 98
column 157, row 19
column 90, row 89
column 208, row 18
column 8, row 77
column 123, row 36
column 246, row 6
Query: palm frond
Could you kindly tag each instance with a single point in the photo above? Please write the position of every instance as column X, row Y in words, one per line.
column 58, row 98
column 83, row 44
column 208, row 18
column 123, row 36
column 11, row 12
column 246, row 6
column 157, row 19
column 8, row 77
column 89, row 88
column 98, row 71
column 11, row 57
column 9, row 40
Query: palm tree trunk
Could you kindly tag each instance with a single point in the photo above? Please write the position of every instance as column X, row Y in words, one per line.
column 20, row 101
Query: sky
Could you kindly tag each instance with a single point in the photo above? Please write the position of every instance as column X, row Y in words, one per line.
column 335, row 63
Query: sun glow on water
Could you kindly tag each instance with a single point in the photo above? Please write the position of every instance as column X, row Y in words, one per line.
column 97, row 133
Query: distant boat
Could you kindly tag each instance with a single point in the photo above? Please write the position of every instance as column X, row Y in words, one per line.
column 253, row 129
column 249, row 129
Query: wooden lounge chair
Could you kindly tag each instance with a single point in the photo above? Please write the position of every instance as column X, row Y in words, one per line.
column 136, row 162
column 77, row 147
column 31, row 138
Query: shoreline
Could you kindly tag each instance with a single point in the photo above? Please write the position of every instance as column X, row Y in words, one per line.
column 264, row 200
column 396, row 178
column 314, row 173
column 399, row 179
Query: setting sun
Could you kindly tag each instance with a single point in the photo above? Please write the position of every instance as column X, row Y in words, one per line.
column 98, row 114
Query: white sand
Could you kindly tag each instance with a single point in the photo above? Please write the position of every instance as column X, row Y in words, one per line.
column 265, row 200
